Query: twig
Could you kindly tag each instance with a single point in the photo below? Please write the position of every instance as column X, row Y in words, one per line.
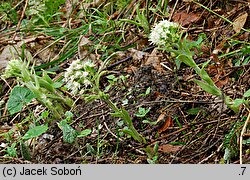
column 181, row 101
column 211, row 155
column 170, row 17
column 162, row 137
column 118, row 62
column 120, row 139
column 20, row 20
column 105, row 124
column 242, row 134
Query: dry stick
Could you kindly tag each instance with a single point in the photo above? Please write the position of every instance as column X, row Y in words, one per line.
column 241, row 135
column 162, row 137
column 222, row 107
column 170, row 17
column 120, row 139
column 196, row 155
column 20, row 20
column 211, row 155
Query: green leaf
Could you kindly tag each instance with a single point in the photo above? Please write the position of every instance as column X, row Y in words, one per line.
column 19, row 97
column 69, row 133
column 147, row 91
column 187, row 60
column 247, row 93
column 208, row 88
column 57, row 84
column 228, row 154
column 12, row 150
column 84, row 133
column 142, row 112
column 149, row 122
column 35, row 132
column 194, row 111
column 89, row 98
column 247, row 141
column 25, row 151
column 69, row 115
column 205, row 77
column 235, row 104
column 130, row 132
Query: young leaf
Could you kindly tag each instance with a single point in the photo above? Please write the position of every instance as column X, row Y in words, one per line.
column 84, row 133
column 57, row 84
column 208, row 88
column 205, row 77
column 247, row 93
column 148, row 91
column 19, row 97
column 25, row 151
column 187, row 60
column 12, row 150
column 35, row 132
column 142, row 112
column 69, row 133
column 194, row 111
column 236, row 104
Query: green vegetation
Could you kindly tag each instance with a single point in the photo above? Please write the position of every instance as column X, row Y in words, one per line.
column 86, row 72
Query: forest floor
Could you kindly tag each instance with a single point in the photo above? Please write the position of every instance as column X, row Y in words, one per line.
column 180, row 121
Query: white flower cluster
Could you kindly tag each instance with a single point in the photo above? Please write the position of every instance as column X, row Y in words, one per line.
column 13, row 68
column 160, row 33
column 76, row 75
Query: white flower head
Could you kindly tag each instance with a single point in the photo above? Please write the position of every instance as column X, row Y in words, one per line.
column 85, row 74
column 13, row 66
column 161, row 31
column 77, row 75
column 89, row 64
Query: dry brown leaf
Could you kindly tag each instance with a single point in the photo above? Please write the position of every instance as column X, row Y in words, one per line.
column 168, row 122
column 185, row 19
column 136, row 54
column 218, row 72
column 161, row 117
column 168, row 148
column 239, row 22
column 222, row 82
column 155, row 61
column 83, row 49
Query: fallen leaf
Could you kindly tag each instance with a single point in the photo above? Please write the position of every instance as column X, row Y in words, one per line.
column 219, row 72
column 155, row 61
column 168, row 122
column 84, row 41
column 239, row 22
column 222, row 82
column 161, row 117
column 185, row 19
column 168, row 148
column 136, row 55
column 83, row 49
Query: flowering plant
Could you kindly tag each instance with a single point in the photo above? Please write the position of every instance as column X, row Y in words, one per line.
column 163, row 32
column 44, row 89
column 167, row 36
column 82, row 77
